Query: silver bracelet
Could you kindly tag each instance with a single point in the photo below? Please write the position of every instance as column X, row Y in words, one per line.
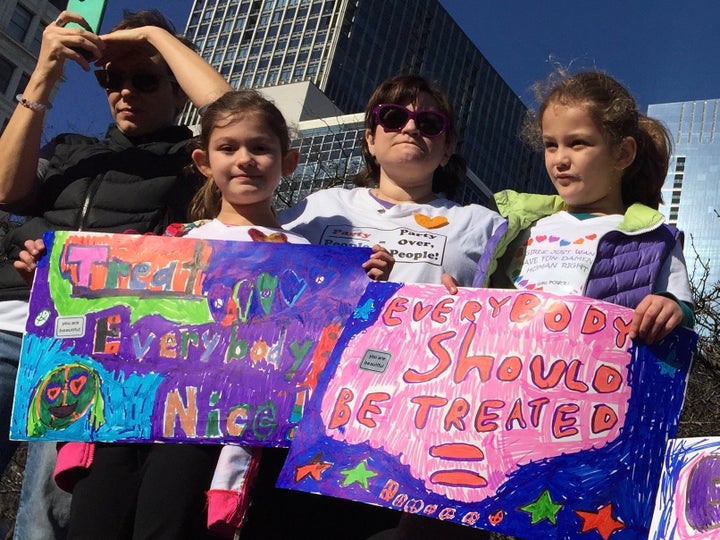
column 34, row 105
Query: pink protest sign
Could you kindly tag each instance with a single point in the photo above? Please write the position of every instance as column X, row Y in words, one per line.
column 524, row 413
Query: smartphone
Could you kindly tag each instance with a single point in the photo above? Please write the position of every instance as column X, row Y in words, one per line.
column 90, row 10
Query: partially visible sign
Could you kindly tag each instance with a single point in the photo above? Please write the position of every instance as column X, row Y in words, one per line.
column 687, row 501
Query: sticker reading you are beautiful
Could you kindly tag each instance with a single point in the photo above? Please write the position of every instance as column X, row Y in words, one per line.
column 142, row 338
column 525, row 413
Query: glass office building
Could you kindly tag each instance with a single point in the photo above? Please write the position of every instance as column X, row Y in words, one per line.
column 329, row 157
column 346, row 48
column 691, row 191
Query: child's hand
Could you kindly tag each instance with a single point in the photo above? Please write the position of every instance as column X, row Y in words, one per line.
column 450, row 283
column 380, row 264
column 655, row 317
column 27, row 259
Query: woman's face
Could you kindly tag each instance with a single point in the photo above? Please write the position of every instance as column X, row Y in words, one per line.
column 407, row 156
column 137, row 112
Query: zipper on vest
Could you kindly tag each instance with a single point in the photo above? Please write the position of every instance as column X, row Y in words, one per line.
column 92, row 190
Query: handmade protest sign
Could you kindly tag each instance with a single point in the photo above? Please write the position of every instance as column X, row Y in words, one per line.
column 140, row 338
column 687, row 500
column 524, row 413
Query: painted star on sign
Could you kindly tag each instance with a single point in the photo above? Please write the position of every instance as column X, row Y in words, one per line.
column 314, row 468
column 360, row 474
column 542, row 508
column 363, row 312
column 601, row 520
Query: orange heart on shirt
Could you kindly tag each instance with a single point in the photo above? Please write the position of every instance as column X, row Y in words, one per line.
column 259, row 236
column 431, row 223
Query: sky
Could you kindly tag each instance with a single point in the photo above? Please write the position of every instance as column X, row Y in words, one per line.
column 662, row 50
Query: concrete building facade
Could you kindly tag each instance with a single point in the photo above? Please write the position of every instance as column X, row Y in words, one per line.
column 21, row 26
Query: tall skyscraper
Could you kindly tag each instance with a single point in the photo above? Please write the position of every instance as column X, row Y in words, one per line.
column 347, row 47
column 691, row 190
column 21, row 28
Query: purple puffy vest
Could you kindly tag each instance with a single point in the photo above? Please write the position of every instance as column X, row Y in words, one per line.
column 627, row 266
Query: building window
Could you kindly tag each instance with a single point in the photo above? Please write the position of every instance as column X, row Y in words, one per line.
column 19, row 23
column 22, row 83
column 6, row 72
column 37, row 40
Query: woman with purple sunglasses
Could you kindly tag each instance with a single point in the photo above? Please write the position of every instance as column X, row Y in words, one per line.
column 404, row 205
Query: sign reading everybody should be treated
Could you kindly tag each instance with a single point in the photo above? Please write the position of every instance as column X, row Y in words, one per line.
column 140, row 338
column 524, row 413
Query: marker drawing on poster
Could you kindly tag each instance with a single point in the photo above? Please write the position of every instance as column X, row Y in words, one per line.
column 523, row 413
column 140, row 338
column 686, row 506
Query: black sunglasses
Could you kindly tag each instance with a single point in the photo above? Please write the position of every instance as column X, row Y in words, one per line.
column 394, row 117
column 117, row 80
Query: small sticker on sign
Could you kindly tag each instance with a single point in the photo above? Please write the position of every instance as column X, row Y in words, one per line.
column 66, row 327
column 376, row 361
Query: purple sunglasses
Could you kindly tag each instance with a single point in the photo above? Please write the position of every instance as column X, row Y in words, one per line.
column 394, row 117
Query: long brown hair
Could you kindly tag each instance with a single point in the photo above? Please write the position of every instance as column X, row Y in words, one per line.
column 614, row 111
column 207, row 201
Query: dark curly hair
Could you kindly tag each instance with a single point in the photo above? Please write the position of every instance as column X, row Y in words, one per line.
column 150, row 17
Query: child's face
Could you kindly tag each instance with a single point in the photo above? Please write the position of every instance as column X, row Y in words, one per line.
column 245, row 160
column 584, row 167
column 407, row 156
